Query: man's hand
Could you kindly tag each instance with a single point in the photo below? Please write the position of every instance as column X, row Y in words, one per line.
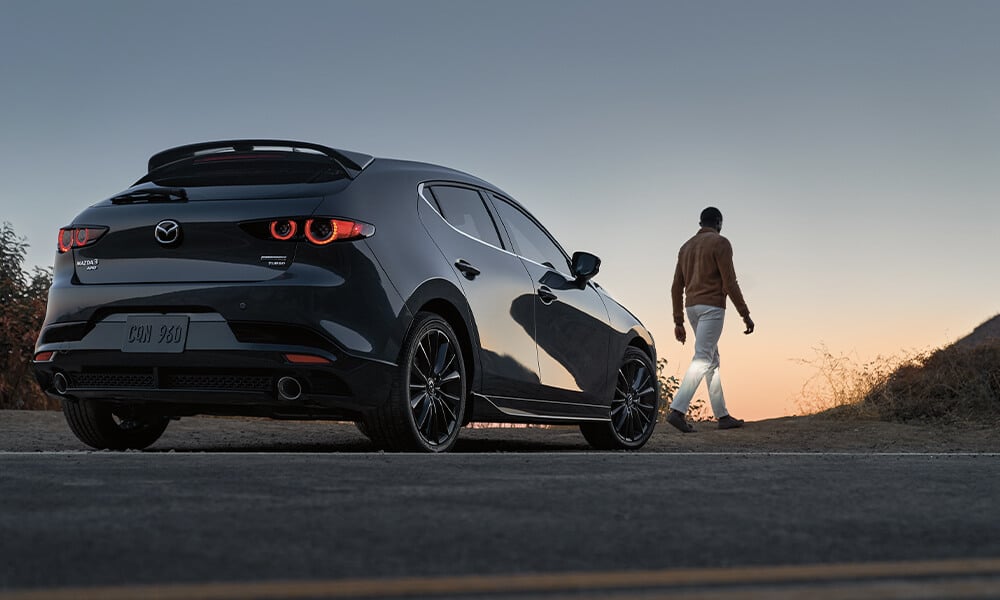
column 749, row 323
column 680, row 333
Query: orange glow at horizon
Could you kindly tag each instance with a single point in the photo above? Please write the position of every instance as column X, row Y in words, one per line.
column 767, row 374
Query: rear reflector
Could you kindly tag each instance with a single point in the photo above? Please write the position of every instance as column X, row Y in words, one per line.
column 44, row 356
column 307, row 359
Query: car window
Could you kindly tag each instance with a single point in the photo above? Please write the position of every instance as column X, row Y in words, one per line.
column 531, row 240
column 464, row 209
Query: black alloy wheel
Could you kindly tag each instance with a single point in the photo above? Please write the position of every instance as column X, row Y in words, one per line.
column 633, row 406
column 436, row 387
column 633, row 409
column 426, row 407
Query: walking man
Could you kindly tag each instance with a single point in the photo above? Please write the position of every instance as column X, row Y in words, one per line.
column 705, row 274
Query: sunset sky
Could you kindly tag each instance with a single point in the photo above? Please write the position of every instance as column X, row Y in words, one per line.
column 853, row 147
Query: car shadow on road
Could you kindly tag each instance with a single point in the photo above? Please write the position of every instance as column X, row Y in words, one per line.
column 362, row 447
column 347, row 440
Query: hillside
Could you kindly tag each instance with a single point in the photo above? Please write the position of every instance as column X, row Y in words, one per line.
column 957, row 383
column 988, row 331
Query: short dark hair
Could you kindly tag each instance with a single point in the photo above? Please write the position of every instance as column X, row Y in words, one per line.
column 710, row 216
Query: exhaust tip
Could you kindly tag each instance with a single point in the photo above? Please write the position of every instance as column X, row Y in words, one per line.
column 60, row 383
column 289, row 388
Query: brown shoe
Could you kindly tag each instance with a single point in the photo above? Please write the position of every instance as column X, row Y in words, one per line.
column 676, row 418
column 728, row 422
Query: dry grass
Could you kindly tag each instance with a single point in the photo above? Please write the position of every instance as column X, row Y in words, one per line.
column 955, row 383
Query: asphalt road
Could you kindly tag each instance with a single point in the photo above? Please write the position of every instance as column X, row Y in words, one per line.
column 93, row 519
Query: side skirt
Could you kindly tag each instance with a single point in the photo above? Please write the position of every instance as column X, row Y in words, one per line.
column 526, row 410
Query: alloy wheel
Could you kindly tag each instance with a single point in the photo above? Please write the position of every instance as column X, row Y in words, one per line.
column 633, row 409
column 436, row 387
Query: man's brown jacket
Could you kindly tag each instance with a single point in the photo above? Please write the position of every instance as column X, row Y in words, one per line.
column 705, row 271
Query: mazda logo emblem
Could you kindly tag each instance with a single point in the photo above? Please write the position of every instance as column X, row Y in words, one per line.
column 168, row 232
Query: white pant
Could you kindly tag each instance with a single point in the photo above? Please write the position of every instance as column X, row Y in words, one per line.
column 707, row 324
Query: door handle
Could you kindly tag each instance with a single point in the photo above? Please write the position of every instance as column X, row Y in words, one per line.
column 546, row 295
column 466, row 268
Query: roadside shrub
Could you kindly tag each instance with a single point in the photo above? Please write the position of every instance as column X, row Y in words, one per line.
column 22, row 309
column 955, row 383
column 840, row 382
column 697, row 411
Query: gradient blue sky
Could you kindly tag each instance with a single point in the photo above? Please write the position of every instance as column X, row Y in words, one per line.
column 852, row 146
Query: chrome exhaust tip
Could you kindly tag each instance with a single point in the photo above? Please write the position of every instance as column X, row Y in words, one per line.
column 60, row 384
column 289, row 388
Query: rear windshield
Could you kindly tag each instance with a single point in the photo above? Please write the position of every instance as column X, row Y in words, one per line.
column 247, row 169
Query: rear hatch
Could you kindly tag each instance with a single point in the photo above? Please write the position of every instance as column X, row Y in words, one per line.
column 205, row 218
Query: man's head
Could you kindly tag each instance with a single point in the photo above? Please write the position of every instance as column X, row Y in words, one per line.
column 711, row 217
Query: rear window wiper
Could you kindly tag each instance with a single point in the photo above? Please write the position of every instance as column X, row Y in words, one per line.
column 151, row 194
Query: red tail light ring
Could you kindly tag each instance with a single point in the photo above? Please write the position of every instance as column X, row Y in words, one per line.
column 324, row 231
column 284, row 229
column 78, row 237
column 66, row 238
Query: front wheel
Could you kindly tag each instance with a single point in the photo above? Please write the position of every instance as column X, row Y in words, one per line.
column 106, row 427
column 633, row 406
column 426, row 406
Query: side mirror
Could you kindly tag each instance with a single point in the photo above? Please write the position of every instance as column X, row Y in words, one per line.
column 585, row 266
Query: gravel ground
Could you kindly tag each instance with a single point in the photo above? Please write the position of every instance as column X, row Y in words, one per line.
column 43, row 431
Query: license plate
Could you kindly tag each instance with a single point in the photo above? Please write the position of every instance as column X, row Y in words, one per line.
column 155, row 334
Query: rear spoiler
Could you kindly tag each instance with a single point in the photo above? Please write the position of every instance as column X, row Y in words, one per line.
column 353, row 162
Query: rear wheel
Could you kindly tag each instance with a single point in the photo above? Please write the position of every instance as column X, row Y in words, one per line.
column 633, row 407
column 426, row 406
column 360, row 424
column 106, row 427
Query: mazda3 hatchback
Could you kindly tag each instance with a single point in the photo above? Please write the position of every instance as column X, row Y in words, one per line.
column 292, row 280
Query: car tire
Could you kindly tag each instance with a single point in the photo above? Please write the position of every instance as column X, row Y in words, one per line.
column 633, row 407
column 362, row 427
column 103, row 427
column 426, row 405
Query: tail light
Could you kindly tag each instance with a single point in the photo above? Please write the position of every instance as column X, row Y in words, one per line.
column 319, row 231
column 79, row 237
column 324, row 231
column 284, row 229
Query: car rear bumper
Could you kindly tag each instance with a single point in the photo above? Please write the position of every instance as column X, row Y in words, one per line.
column 217, row 373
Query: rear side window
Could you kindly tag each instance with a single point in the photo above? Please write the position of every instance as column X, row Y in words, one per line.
column 257, row 168
column 464, row 209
